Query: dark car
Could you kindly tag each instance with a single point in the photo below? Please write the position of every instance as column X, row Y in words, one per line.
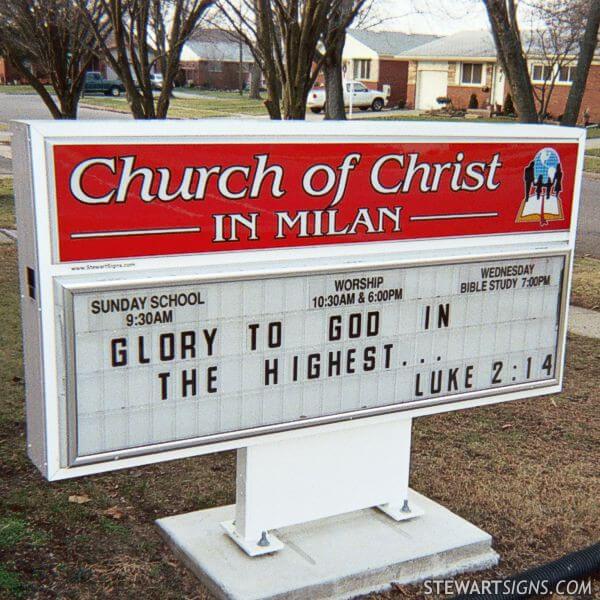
column 96, row 84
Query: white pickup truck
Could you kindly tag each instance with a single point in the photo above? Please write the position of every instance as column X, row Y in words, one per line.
column 360, row 95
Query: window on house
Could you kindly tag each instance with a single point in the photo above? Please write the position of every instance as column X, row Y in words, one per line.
column 362, row 69
column 472, row 73
column 215, row 66
column 566, row 74
column 541, row 73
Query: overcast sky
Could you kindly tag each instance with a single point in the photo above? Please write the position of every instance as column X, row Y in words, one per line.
column 432, row 16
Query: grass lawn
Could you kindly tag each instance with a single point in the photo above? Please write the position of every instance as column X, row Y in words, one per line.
column 7, row 204
column 585, row 286
column 20, row 89
column 593, row 132
column 586, row 283
column 399, row 116
column 526, row 472
column 591, row 162
column 203, row 104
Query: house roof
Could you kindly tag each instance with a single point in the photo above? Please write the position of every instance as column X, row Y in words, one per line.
column 218, row 46
column 468, row 44
column 390, row 43
column 471, row 44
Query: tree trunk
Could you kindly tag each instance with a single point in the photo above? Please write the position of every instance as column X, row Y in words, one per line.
column 265, row 36
column 136, row 106
column 273, row 101
column 164, row 100
column 586, row 54
column 334, row 85
column 255, row 81
column 166, row 93
column 295, row 109
column 294, row 101
column 510, row 51
column 334, row 47
column 68, row 105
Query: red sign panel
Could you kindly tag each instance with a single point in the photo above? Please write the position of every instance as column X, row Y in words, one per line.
column 134, row 200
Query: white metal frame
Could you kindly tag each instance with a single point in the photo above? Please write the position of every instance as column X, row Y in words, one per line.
column 34, row 141
column 83, row 283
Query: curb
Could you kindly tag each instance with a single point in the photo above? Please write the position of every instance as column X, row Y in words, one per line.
column 11, row 234
column 103, row 108
column 591, row 175
column 584, row 322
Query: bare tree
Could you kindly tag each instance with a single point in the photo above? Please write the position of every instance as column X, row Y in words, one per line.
column 566, row 21
column 587, row 47
column 255, row 76
column 334, row 39
column 266, row 50
column 359, row 14
column 283, row 36
column 146, row 34
column 554, row 42
column 49, row 40
column 507, row 37
column 350, row 12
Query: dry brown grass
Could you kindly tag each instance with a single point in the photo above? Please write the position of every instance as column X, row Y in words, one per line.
column 586, row 283
column 7, row 204
column 527, row 472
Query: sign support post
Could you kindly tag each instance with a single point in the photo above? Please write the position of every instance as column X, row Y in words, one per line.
column 317, row 476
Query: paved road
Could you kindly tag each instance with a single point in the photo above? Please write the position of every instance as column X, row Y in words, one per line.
column 588, row 229
column 30, row 106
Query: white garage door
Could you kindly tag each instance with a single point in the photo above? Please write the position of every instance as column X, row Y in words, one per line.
column 431, row 85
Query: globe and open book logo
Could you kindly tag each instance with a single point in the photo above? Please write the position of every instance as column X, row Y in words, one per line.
column 543, row 184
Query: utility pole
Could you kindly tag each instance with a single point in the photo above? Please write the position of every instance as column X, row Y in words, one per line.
column 241, row 47
column 241, row 73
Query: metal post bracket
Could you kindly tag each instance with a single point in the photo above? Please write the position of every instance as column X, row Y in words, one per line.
column 257, row 548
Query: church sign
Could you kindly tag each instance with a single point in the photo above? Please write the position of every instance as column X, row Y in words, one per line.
column 187, row 288
column 111, row 199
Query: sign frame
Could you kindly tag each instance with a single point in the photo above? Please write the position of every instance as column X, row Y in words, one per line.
column 33, row 142
column 69, row 291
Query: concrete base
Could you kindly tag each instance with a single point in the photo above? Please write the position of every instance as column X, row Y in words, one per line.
column 338, row 557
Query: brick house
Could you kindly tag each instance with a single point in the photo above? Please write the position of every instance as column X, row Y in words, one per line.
column 8, row 73
column 465, row 63
column 372, row 57
column 10, row 76
column 211, row 59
